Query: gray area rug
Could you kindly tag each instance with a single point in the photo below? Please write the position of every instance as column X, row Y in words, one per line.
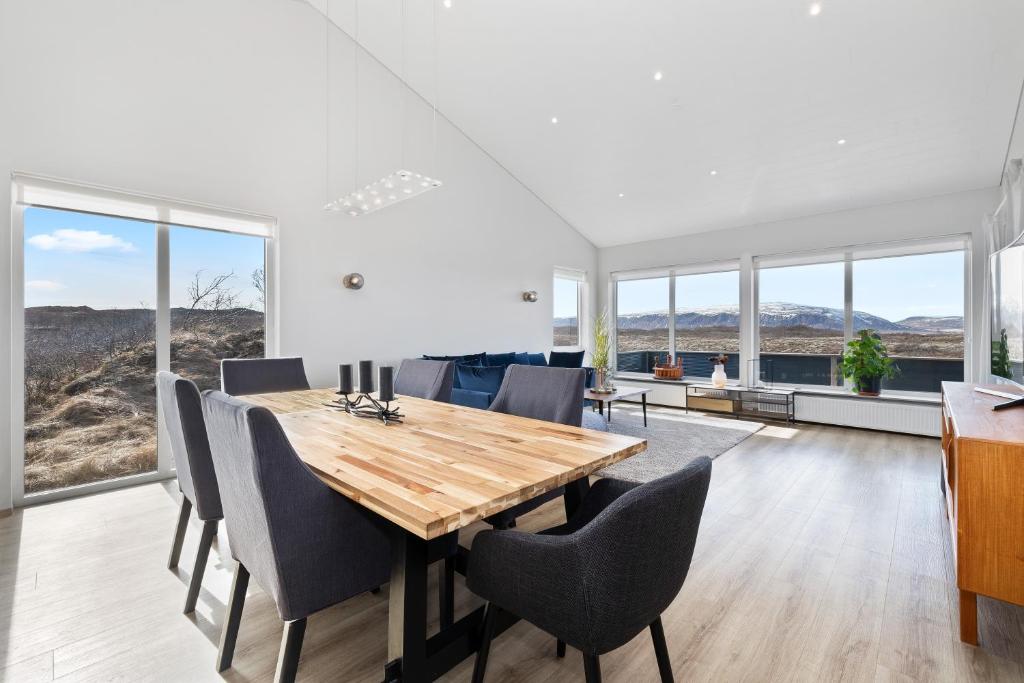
column 673, row 440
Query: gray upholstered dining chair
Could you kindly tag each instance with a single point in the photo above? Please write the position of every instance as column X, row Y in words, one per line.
column 430, row 379
column 241, row 376
column 306, row 546
column 182, row 412
column 604, row 576
column 543, row 393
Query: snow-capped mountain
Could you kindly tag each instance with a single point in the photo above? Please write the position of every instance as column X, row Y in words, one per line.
column 781, row 314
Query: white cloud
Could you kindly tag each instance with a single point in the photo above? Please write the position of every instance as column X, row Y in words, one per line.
column 45, row 285
column 68, row 239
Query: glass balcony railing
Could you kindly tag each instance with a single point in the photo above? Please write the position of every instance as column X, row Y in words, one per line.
column 916, row 373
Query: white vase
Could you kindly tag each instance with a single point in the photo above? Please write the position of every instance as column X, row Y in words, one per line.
column 718, row 376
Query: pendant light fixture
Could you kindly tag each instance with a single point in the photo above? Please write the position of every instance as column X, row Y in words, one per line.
column 401, row 184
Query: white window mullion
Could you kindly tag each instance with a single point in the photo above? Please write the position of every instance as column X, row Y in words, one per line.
column 672, row 318
column 749, row 333
column 164, row 461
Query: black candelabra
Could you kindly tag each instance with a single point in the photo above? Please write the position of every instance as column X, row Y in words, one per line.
column 365, row 405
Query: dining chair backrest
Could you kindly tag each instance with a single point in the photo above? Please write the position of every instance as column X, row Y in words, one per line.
column 182, row 411
column 305, row 544
column 430, row 379
column 241, row 376
column 543, row 393
column 639, row 550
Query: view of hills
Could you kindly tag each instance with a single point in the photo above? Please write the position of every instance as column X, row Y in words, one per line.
column 90, row 396
column 784, row 315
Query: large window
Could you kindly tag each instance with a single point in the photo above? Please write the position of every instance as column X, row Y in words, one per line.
column 641, row 323
column 115, row 288
column 803, row 310
column 911, row 295
column 707, row 321
column 916, row 304
column 567, row 309
column 801, row 323
column 90, row 316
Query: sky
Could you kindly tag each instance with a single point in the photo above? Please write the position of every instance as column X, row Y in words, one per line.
column 566, row 298
column 75, row 259
column 893, row 288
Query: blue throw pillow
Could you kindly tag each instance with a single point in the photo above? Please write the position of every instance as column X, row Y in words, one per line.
column 469, row 359
column 566, row 359
column 502, row 360
column 475, row 378
column 538, row 359
column 522, row 359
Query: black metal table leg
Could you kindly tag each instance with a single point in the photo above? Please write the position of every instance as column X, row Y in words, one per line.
column 600, row 406
column 575, row 491
column 643, row 400
column 407, row 610
column 609, row 411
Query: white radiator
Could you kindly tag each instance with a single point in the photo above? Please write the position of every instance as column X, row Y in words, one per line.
column 889, row 416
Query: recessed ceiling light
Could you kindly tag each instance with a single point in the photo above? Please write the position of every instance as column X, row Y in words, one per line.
column 714, row 173
column 657, row 75
column 621, row 195
column 447, row 4
column 814, row 10
column 841, row 141
column 554, row 119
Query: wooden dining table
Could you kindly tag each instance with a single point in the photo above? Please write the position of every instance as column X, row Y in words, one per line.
column 437, row 471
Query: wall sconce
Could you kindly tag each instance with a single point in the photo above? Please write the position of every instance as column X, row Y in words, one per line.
column 530, row 296
column 353, row 281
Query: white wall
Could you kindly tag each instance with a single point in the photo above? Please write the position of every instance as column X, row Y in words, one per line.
column 223, row 101
column 945, row 215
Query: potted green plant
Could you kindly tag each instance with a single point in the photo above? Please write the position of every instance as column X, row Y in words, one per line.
column 601, row 356
column 1001, row 357
column 867, row 362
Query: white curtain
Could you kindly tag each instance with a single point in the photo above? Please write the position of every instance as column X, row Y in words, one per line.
column 1002, row 228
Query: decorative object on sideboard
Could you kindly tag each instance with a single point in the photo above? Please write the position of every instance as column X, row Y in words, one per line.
column 600, row 359
column 530, row 296
column 668, row 370
column 365, row 405
column 718, row 378
column 866, row 361
column 353, row 281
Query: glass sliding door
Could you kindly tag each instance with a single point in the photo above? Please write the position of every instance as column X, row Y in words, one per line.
column 217, row 299
column 90, row 351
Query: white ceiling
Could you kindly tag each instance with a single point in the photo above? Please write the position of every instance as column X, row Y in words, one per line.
column 923, row 91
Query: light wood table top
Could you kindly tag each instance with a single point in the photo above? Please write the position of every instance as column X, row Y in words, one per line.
column 445, row 466
column 617, row 395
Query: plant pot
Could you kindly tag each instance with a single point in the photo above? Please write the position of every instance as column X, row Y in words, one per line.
column 869, row 386
column 600, row 378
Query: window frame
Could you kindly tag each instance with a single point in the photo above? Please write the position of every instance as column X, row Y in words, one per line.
column 31, row 190
column 848, row 256
column 749, row 266
column 735, row 265
column 580, row 278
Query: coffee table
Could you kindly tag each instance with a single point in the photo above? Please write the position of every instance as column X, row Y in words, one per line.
column 619, row 394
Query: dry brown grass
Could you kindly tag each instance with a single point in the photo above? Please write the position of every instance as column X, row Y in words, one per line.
column 101, row 423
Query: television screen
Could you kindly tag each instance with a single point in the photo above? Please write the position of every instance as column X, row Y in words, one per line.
column 1008, row 315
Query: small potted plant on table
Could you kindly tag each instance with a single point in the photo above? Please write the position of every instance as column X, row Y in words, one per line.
column 867, row 362
column 601, row 357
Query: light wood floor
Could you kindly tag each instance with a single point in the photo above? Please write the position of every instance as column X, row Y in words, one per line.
column 823, row 555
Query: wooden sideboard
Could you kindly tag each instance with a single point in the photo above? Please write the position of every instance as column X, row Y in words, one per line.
column 983, row 479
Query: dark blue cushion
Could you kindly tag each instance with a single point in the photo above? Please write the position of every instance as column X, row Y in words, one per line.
column 472, row 399
column 469, row 359
column 566, row 359
column 537, row 359
column 473, row 378
column 502, row 360
column 522, row 359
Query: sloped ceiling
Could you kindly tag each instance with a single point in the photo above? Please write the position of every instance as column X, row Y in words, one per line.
column 923, row 92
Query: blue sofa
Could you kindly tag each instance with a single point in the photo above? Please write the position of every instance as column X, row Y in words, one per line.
column 478, row 376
